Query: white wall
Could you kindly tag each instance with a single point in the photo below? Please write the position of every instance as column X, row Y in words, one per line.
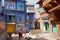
column 32, row 1
column 2, row 2
column 30, row 9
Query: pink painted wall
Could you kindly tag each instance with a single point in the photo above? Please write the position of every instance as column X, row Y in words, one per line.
column 2, row 25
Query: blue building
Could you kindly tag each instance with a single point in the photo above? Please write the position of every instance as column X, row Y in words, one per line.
column 15, row 14
column 2, row 17
column 10, row 12
column 14, row 11
column 30, row 21
column 20, row 15
column 30, row 17
column 20, row 12
column 0, row 5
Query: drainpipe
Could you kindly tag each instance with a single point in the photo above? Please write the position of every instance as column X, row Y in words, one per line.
column 15, row 14
column 25, row 11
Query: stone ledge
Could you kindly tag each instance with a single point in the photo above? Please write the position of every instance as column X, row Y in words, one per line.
column 36, row 31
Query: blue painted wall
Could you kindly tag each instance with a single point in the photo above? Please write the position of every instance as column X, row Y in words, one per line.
column 29, row 16
column 0, row 6
column 27, row 26
column 20, row 12
column 20, row 0
column 9, row 12
column 20, row 5
column 10, row 5
column 20, row 16
column 2, row 17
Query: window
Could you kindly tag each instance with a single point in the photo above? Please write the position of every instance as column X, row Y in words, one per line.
column 22, row 0
column 30, row 9
column 0, row 2
column 10, row 18
column 13, row 19
column 0, row 5
column 31, row 15
column 2, row 16
column 10, row 5
column 27, row 17
column 41, row 10
column 20, row 18
column 20, row 6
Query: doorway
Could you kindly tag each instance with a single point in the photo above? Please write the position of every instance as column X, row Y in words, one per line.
column 47, row 26
column 54, row 29
column 37, row 25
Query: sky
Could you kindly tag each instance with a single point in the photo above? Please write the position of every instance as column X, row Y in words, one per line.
column 33, row 2
column 36, row 5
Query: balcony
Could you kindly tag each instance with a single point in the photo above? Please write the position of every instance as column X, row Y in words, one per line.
column 51, row 4
column 10, row 0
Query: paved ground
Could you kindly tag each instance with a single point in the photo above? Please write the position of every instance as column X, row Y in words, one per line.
column 43, row 36
column 16, row 37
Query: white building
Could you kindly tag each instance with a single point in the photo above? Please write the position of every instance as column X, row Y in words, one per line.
column 42, row 17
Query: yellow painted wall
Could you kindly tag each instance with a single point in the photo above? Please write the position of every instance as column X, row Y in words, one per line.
column 10, row 28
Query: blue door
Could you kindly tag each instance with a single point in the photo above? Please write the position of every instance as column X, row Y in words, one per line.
column 47, row 26
column 54, row 29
